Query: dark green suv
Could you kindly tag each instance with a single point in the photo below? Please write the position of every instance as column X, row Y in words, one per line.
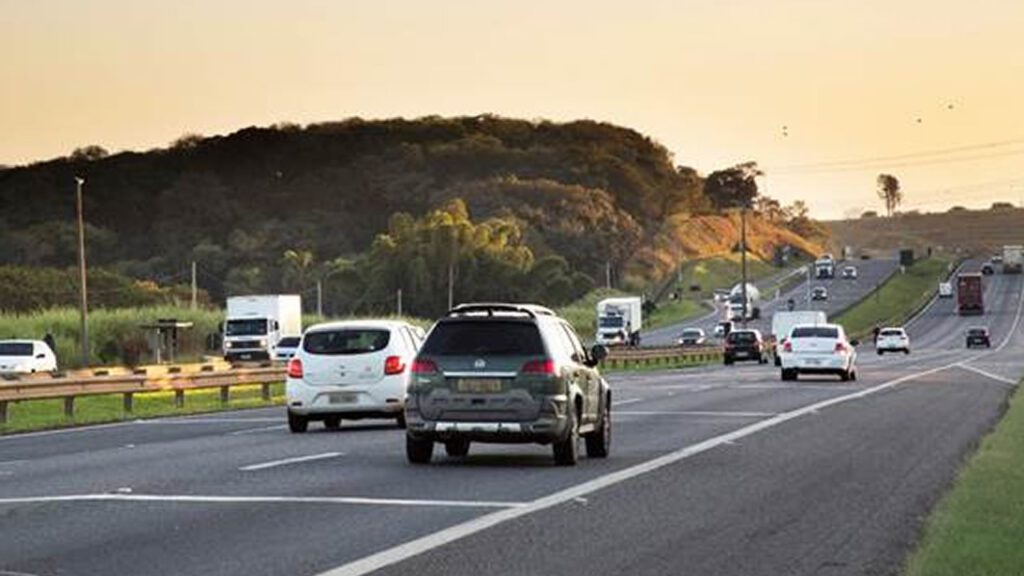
column 506, row 373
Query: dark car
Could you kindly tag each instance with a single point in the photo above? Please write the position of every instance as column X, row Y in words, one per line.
column 506, row 373
column 978, row 336
column 819, row 293
column 744, row 345
column 987, row 269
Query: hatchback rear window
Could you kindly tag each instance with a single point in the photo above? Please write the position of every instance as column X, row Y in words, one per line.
column 741, row 337
column 891, row 333
column 15, row 348
column 977, row 332
column 484, row 338
column 346, row 341
column 815, row 332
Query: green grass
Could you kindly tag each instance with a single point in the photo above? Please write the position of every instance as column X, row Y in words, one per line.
column 978, row 528
column 898, row 298
column 29, row 415
column 582, row 313
column 719, row 272
column 673, row 312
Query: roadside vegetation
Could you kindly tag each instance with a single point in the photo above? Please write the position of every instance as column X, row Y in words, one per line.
column 898, row 298
column 976, row 530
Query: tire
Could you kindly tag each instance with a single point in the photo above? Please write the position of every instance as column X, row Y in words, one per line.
column 332, row 422
column 457, row 448
column 880, row 352
column 778, row 362
column 853, row 375
column 844, row 376
column 297, row 424
column 567, row 451
column 418, row 451
column 906, row 351
column 599, row 441
column 728, row 361
column 401, row 420
column 788, row 374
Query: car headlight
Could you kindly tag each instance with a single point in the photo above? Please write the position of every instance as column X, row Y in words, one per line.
column 263, row 342
column 229, row 344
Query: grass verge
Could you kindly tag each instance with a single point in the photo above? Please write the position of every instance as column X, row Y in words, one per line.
column 978, row 527
column 897, row 299
column 28, row 415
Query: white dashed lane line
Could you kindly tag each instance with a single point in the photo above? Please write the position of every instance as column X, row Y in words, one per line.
column 289, row 461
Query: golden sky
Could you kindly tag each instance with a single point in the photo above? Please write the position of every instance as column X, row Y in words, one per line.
column 713, row 80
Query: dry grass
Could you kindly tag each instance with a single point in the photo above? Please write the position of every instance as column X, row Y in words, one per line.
column 973, row 231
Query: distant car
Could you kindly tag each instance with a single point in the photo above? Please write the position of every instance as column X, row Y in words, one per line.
column 819, row 293
column 287, row 347
column 723, row 328
column 945, row 289
column 978, row 336
column 26, row 357
column 849, row 273
column 892, row 340
column 987, row 269
column 743, row 344
column 997, row 258
column 819, row 349
column 692, row 337
column 353, row 369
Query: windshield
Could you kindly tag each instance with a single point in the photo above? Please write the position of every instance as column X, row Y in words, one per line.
column 346, row 341
column 612, row 322
column 288, row 342
column 484, row 338
column 815, row 332
column 891, row 333
column 15, row 348
column 692, row 334
column 249, row 327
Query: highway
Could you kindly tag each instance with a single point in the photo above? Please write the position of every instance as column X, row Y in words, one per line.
column 842, row 293
column 713, row 471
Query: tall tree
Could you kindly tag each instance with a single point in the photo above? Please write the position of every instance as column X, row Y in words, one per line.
column 889, row 192
column 734, row 187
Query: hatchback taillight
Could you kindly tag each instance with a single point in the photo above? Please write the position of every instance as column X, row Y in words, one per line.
column 546, row 366
column 295, row 368
column 840, row 348
column 787, row 346
column 393, row 365
column 424, row 367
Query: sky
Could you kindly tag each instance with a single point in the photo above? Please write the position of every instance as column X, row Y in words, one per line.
column 823, row 94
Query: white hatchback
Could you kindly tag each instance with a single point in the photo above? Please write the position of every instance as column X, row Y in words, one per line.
column 892, row 340
column 819, row 349
column 352, row 369
column 26, row 357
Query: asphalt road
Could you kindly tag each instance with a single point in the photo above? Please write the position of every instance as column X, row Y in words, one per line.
column 713, row 471
column 841, row 295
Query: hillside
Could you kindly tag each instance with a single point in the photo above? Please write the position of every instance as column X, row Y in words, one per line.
column 973, row 231
column 512, row 206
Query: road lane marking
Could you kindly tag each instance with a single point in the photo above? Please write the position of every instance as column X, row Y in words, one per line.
column 627, row 401
column 199, row 499
column 210, row 420
column 725, row 414
column 257, row 430
column 288, row 461
column 980, row 372
column 445, row 536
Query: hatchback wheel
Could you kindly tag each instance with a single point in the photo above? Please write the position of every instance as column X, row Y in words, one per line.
column 418, row 451
column 599, row 441
column 297, row 423
column 567, row 451
column 401, row 420
column 457, row 448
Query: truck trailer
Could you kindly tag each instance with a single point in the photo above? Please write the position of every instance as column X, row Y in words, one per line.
column 969, row 295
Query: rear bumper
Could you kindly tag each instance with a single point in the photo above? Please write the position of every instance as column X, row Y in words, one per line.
column 385, row 398
column 236, row 355
column 816, row 364
column 544, row 430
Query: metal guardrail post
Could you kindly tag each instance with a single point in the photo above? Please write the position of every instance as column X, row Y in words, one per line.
column 265, row 391
column 3, row 412
column 129, row 402
column 225, row 395
column 179, row 398
column 69, row 407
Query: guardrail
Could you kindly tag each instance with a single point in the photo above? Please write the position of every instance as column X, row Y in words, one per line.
column 69, row 388
column 654, row 356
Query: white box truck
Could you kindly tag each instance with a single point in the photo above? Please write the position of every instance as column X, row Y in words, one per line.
column 255, row 324
column 735, row 308
column 619, row 321
column 825, row 267
column 1013, row 259
column 784, row 321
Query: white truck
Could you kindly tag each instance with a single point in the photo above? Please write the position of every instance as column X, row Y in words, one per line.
column 255, row 324
column 1013, row 259
column 783, row 322
column 825, row 267
column 735, row 308
column 619, row 321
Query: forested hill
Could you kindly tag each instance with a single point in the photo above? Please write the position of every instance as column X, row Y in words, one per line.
column 589, row 192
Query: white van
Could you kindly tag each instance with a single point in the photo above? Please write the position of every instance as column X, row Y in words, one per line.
column 26, row 357
column 353, row 369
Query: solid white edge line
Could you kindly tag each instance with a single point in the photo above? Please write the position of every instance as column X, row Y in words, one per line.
column 626, row 401
column 980, row 372
column 256, row 430
column 725, row 414
column 437, row 539
column 287, row 461
column 172, row 498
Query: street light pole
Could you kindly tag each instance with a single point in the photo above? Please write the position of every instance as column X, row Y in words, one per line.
column 743, row 260
column 79, row 181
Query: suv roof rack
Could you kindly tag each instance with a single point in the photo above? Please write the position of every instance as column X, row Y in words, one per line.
column 489, row 308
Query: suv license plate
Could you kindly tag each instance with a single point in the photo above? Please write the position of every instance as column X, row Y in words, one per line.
column 343, row 398
column 479, row 385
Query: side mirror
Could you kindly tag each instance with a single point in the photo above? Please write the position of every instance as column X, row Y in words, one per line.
column 855, row 343
column 598, row 353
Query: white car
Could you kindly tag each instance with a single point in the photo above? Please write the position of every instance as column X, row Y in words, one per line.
column 819, row 349
column 945, row 289
column 353, row 369
column 892, row 340
column 287, row 347
column 850, row 273
column 26, row 357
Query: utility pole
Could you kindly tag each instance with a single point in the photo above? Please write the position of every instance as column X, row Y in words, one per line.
column 320, row 298
column 81, row 270
column 743, row 260
column 195, row 287
column 451, row 284
column 608, row 275
column 399, row 298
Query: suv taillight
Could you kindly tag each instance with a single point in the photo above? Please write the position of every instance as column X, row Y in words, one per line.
column 546, row 366
column 295, row 368
column 424, row 367
column 393, row 365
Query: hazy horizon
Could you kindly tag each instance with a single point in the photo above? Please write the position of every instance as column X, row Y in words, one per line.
column 922, row 90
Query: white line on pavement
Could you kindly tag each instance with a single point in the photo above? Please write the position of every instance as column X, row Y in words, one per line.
column 173, row 498
column 287, row 461
column 440, row 538
column 725, row 414
column 257, row 430
column 980, row 372
column 625, row 401
column 209, row 420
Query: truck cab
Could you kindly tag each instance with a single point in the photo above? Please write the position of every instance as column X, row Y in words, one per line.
column 255, row 324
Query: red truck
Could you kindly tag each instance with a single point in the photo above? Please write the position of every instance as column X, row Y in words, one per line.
column 969, row 295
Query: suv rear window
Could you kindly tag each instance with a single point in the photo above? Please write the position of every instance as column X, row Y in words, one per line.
column 977, row 332
column 346, row 341
column 484, row 338
column 15, row 348
column 815, row 332
column 744, row 337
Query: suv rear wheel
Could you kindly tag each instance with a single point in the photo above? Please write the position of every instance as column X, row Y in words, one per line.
column 567, row 451
column 332, row 422
column 418, row 451
column 599, row 441
column 297, row 424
